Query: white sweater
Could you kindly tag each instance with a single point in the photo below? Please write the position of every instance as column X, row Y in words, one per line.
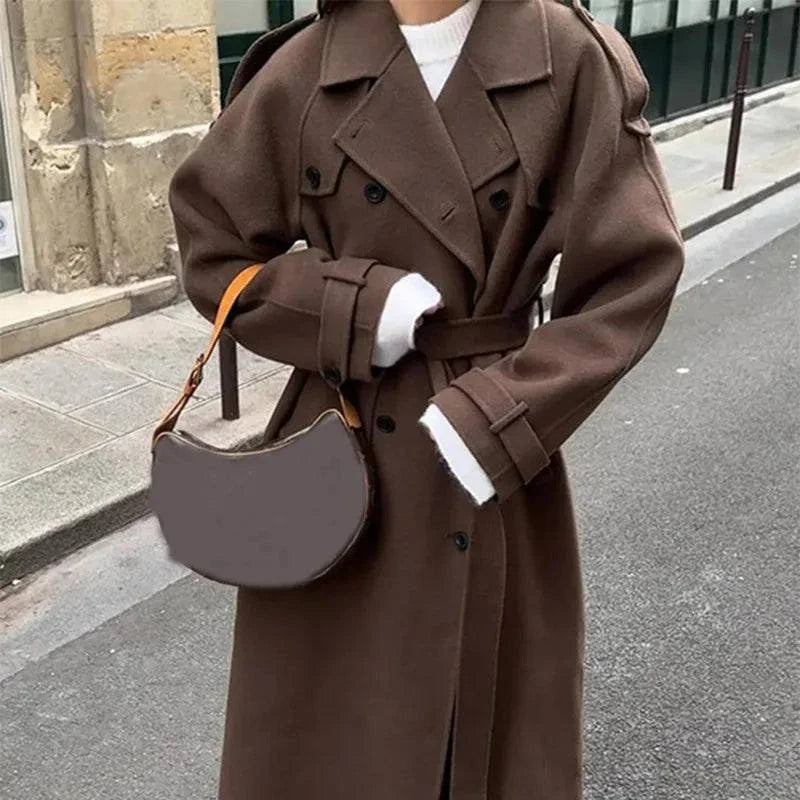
column 435, row 47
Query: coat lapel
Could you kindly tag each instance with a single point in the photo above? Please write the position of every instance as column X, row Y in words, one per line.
column 398, row 136
column 507, row 46
column 433, row 156
column 396, row 133
column 481, row 139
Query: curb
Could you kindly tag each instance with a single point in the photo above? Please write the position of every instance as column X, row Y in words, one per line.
column 59, row 542
column 668, row 130
column 105, row 305
column 743, row 204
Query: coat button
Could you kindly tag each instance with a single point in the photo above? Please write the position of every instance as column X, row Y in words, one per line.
column 374, row 192
column 314, row 177
column 385, row 423
column 461, row 540
column 500, row 200
column 332, row 376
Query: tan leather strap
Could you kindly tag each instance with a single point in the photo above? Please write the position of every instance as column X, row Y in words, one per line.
column 235, row 288
column 229, row 298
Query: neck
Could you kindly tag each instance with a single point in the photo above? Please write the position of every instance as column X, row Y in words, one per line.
column 418, row 12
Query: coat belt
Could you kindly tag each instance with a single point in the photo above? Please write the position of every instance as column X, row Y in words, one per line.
column 481, row 338
column 471, row 336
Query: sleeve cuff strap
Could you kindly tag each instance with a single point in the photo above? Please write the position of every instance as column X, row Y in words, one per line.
column 496, row 428
column 355, row 292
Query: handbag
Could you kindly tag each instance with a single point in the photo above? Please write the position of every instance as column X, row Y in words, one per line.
column 277, row 516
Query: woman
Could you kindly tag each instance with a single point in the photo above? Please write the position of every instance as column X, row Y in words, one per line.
column 436, row 156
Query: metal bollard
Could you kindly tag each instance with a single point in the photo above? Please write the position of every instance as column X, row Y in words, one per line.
column 228, row 376
column 738, row 100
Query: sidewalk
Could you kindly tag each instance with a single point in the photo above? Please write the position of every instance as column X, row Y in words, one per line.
column 75, row 419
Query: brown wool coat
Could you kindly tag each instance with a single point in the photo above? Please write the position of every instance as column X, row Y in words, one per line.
column 346, row 689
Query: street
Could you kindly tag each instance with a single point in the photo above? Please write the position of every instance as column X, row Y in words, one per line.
column 113, row 663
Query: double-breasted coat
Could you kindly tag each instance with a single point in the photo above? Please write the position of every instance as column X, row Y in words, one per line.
column 448, row 616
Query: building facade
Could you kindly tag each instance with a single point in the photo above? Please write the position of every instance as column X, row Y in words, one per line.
column 101, row 99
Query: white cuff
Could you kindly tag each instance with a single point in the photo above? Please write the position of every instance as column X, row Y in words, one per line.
column 408, row 299
column 457, row 455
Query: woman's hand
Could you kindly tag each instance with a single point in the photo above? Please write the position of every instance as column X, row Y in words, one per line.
column 408, row 301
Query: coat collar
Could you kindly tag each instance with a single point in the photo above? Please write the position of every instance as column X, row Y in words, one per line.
column 363, row 38
column 509, row 44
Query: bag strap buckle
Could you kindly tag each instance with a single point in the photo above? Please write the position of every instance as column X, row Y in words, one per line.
column 196, row 375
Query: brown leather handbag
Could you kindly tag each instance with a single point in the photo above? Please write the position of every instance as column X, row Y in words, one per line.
column 274, row 517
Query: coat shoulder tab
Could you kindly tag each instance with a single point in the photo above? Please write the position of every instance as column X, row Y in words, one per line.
column 577, row 6
column 262, row 50
column 635, row 87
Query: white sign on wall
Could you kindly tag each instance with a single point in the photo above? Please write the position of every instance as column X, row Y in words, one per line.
column 241, row 16
column 8, row 232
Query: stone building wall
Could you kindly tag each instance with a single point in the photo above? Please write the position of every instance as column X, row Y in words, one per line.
column 112, row 94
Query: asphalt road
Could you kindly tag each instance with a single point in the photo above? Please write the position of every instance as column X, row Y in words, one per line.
column 113, row 663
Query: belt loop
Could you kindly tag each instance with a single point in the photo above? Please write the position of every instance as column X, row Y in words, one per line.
column 438, row 375
column 484, row 359
column 506, row 419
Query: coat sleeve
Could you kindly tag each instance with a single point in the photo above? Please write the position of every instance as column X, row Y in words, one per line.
column 621, row 258
column 235, row 201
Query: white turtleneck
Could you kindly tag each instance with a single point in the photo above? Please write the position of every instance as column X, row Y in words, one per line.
column 435, row 47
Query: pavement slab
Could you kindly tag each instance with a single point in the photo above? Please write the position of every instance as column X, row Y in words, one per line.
column 32, row 436
column 159, row 349
column 62, row 380
column 769, row 161
column 128, row 410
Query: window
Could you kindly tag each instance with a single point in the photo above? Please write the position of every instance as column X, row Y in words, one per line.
column 9, row 252
column 250, row 16
column 241, row 16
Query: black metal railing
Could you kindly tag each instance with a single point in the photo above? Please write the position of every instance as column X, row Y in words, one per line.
column 692, row 66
